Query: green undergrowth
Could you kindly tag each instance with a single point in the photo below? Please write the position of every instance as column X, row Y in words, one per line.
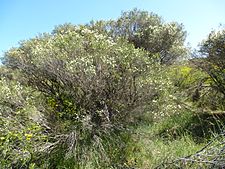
column 173, row 137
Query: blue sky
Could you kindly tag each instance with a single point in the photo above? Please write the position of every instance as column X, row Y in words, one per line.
column 23, row 19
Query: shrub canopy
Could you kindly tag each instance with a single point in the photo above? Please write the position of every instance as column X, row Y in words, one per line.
column 89, row 82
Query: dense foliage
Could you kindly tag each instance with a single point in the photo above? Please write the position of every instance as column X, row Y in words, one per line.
column 213, row 49
column 210, row 60
column 148, row 30
column 21, row 124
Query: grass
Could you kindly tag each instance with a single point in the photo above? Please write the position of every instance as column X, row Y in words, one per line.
column 153, row 152
column 170, row 138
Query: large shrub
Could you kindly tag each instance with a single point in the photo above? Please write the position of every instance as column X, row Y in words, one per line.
column 211, row 61
column 90, row 83
column 213, row 49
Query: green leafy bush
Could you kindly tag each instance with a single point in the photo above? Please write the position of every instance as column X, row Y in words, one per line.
column 211, row 61
column 20, row 124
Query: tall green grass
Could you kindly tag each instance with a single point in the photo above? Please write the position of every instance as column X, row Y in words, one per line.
column 171, row 138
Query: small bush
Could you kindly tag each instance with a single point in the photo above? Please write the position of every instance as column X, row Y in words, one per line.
column 21, row 124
